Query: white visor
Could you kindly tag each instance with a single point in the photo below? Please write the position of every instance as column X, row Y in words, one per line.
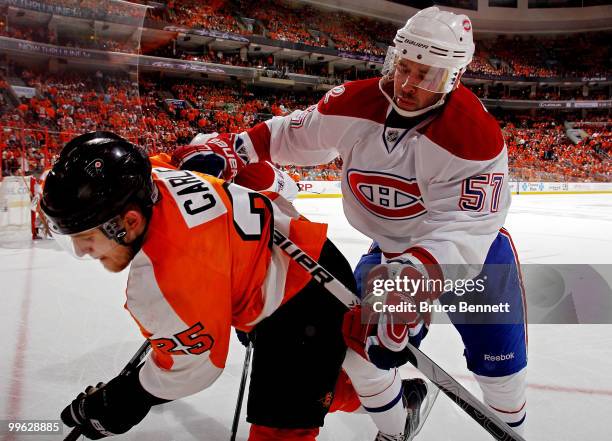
column 89, row 244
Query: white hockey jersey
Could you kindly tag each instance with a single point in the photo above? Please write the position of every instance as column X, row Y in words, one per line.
column 438, row 191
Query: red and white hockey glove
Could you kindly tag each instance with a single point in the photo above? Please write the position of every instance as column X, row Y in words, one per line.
column 393, row 310
column 222, row 156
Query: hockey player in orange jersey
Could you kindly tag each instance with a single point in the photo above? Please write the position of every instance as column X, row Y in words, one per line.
column 200, row 260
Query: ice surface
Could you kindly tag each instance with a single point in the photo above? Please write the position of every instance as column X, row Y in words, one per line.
column 64, row 327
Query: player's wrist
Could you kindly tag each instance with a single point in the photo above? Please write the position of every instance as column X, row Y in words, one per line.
column 110, row 409
column 388, row 318
column 133, row 388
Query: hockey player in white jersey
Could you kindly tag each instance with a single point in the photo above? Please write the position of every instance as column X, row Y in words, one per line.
column 425, row 175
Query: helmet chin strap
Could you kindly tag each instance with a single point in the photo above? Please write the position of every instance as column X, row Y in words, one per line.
column 409, row 113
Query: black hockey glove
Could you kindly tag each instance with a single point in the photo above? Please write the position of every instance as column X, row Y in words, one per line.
column 110, row 409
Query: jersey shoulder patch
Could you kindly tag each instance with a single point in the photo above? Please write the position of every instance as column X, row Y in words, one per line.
column 465, row 129
column 356, row 99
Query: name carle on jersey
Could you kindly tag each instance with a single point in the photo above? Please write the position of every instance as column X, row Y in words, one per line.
column 195, row 197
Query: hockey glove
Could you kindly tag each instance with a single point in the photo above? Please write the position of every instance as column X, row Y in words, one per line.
column 380, row 329
column 110, row 409
column 221, row 156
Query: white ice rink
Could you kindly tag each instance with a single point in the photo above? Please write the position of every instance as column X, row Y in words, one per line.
column 64, row 327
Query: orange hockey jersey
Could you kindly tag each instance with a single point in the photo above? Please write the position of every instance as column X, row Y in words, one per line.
column 207, row 263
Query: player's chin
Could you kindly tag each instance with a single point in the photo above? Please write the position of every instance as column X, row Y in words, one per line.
column 114, row 265
column 405, row 103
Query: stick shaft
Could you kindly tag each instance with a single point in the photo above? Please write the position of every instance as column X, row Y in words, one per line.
column 245, row 374
column 142, row 352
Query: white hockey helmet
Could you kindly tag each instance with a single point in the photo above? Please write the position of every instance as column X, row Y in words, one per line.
column 442, row 41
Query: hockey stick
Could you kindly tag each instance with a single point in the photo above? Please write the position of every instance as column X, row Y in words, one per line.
column 129, row 367
column 447, row 384
column 245, row 374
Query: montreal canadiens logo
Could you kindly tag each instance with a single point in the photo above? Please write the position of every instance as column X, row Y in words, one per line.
column 387, row 196
column 467, row 25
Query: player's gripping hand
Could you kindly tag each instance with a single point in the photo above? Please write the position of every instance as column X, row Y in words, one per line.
column 110, row 409
column 376, row 330
column 222, row 156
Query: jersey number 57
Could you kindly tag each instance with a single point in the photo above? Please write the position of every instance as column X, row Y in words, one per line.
column 475, row 191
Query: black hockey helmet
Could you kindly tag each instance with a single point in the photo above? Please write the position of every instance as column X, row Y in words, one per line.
column 95, row 177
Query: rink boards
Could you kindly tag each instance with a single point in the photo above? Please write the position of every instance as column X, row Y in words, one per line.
column 331, row 189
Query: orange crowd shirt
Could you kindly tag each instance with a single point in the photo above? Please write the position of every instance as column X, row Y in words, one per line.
column 208, row 263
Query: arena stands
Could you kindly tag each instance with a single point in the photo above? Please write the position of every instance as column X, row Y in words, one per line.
column 586, row 55
column 577, row 56
column 541, row 57
column 538, row 147
column 72, row 104
column 164, row 110
column 213, row 15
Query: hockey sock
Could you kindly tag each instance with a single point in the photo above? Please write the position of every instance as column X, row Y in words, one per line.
column 380, row 393
column 506, row 397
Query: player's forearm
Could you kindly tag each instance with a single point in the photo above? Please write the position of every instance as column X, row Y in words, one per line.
column 188, row 375
column 264, row 177
column 301, row 138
